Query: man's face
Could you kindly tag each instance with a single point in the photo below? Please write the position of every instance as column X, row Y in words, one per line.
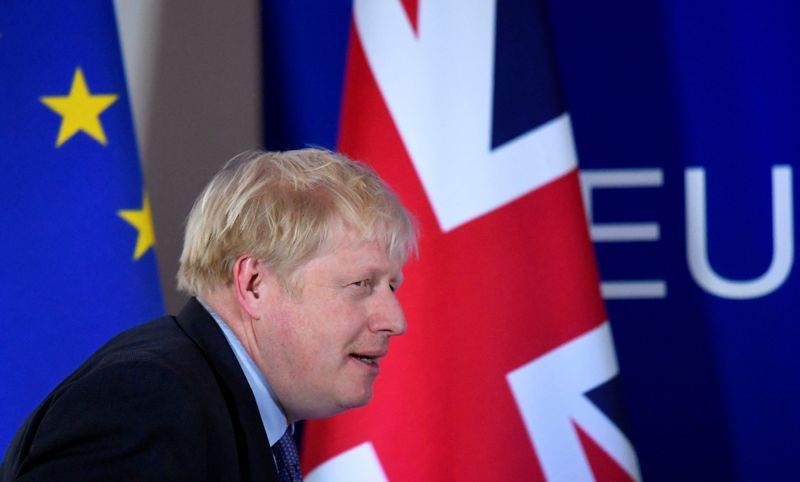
column 320, row 345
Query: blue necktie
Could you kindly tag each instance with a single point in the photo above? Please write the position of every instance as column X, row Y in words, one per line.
column 287, row 458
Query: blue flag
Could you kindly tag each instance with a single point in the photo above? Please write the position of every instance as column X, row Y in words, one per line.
column 77, row 250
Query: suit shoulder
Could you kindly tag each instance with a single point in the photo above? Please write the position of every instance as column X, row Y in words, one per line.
column 159, row 343
column 131, row 414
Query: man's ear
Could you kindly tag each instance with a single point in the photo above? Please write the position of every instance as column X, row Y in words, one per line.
column 250, row 276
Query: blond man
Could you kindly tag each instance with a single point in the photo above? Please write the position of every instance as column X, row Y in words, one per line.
column 292, row 260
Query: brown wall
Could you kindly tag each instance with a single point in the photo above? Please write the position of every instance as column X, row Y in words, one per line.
column 194, row 78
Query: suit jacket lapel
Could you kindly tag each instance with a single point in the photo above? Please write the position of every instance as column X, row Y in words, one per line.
column 253, row 445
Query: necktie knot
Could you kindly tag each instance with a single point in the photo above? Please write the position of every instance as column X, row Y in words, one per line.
column 287, row 458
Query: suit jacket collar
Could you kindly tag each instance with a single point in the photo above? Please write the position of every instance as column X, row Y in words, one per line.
column 254, row 451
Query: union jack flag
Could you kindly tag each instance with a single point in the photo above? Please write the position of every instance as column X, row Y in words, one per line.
column 508, row 369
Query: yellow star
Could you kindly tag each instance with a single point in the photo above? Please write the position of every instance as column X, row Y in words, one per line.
column 142, row 220
column 80, row 110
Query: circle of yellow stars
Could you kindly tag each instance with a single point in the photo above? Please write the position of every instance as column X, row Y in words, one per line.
column 80, row 112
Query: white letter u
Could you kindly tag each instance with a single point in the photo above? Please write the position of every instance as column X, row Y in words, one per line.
column 782, row 238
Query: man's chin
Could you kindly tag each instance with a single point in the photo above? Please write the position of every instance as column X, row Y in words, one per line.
column 357, row 400
column 343, row 404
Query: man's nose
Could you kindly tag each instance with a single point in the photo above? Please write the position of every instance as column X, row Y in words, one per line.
column 387, row 315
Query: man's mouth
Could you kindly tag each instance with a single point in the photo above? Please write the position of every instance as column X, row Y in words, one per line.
column 366, row 359
column 371, row 359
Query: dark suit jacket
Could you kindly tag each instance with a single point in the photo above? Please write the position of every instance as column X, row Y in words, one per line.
column 163, row 401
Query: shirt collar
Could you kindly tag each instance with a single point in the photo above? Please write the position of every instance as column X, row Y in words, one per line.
column 273, row 418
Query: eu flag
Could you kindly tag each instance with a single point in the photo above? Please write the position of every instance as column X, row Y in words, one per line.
column 77, row 260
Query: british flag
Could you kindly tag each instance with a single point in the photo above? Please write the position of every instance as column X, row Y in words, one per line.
column 507, row 371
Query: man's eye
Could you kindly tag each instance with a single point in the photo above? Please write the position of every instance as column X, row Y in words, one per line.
column 364, row 283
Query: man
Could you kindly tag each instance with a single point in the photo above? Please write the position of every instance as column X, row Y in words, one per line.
column 293, row 260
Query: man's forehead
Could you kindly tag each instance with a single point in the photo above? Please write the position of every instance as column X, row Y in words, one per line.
column 349, row 236
column 355, row 245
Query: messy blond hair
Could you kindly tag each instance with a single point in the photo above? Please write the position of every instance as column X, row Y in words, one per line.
column 281, row 208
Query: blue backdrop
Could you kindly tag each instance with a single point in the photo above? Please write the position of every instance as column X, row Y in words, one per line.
column 675, row 104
